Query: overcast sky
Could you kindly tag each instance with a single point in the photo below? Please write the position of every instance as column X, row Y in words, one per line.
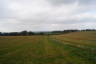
column 47, row 15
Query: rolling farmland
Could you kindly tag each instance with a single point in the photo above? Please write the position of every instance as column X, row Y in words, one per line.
column 72, row 48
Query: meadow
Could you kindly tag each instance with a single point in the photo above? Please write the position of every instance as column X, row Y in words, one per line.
column 72, row 48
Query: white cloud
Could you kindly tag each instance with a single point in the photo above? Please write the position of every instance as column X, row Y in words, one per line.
column 38, row 15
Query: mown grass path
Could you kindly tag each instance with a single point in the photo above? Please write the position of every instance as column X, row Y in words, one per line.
column 42, row 50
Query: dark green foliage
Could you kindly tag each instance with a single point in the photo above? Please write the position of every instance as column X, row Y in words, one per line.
column 29, row 33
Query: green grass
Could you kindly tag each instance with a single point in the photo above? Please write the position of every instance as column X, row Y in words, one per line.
column 73, row 48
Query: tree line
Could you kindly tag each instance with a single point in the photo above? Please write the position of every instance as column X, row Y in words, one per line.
column 30, row 33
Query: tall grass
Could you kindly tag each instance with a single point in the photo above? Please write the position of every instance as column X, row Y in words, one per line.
column 73, row 48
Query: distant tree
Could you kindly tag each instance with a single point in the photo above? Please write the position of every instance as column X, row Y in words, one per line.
column 40, row 33
column 31, row 33
column 89, row 30
column 14, row 34
column 68, row 31
column 0, row 33
column 24, row 33
column 5, row 34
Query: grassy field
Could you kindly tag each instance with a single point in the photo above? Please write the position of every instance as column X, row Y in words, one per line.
column 73, row 48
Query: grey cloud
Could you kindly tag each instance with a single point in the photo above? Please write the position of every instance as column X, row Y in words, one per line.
column 60, row 2
column 87, row 2
column 2, row 9
column 40, row 15
column 5, row 12
column 80, row 2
